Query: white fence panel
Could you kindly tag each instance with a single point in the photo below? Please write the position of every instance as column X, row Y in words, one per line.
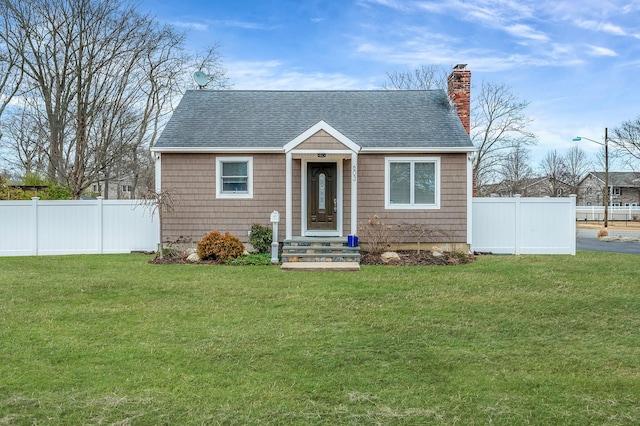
column 524, row 225
column 68, row 227
column 127, row 227
column 17, row 230
column 75, row 227
column 596, row 213
column 493, row 225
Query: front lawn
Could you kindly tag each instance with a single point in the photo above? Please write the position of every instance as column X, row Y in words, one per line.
column 504, row 340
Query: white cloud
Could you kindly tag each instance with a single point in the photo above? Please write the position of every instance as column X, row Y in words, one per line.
column 272, row 75
column 398, row 5
column 601, row 51
column 243, row 25
column 192, row 25
column 525, row 31
column 601, row 27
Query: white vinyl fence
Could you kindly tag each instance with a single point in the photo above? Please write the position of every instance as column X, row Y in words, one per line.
column 30, row 228
column 596, row 213
column 524, row 225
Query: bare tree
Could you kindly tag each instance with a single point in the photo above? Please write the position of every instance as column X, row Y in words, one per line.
column 553, row 167
column 424, row 77
column 515, row 169
column 163, row 203
column 627, row 138
column 577, row 166
column 24, row 150
column 498, row 124
column 11, row 71
column 498, row 119
column 103, row 77
column 210, row 62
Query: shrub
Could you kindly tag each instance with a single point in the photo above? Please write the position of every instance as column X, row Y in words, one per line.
column 228, row 247
column 207, row 245
column 603, row 233
column 376, row 234
column 460, row 256
column 261, row 237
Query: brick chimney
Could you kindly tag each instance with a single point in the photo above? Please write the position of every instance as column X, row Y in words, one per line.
column 459, row 89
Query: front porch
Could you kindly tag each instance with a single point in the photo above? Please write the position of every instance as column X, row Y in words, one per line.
column 320, row 253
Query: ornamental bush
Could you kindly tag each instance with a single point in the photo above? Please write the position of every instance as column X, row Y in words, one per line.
column 220, row 247
column 228, row 247
column 260, row 237
column 207, row 245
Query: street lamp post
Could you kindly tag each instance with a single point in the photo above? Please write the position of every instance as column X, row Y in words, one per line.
column 606, row 171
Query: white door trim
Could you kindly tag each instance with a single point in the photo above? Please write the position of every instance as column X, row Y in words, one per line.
column 304, row 201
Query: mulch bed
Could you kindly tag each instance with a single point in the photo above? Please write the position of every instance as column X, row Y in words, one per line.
column 179, row 258
column 413, row 258
column 407, row 258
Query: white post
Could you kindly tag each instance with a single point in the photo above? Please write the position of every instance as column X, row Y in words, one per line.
column 158, row 172
column 34, row 215
column 289, row 196
column 572, row 224
column 470, row 200
column 275, row 218
column 100, row 224
column 517, row 235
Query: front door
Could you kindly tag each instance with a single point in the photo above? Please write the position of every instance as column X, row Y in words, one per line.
column 322, row 205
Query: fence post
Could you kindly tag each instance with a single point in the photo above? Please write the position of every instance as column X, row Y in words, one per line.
column 34, row 219
column 518, row 213
column 572, row 223
column 100, row 206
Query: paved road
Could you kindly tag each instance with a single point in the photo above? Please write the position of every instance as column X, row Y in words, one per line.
column 587, row 239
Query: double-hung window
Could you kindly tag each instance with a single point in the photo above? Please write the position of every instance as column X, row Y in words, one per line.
column 234, row 176
column 412, row 183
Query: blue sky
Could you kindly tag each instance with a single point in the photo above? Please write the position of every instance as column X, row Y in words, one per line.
column 576, row 62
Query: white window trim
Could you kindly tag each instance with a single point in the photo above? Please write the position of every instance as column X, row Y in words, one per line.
column 387, row 189
column 219, row 193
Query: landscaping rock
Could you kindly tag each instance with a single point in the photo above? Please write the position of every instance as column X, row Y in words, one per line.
column 390, row 257
column 193, row 258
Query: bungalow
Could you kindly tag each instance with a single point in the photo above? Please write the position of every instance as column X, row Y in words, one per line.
column 327, row 161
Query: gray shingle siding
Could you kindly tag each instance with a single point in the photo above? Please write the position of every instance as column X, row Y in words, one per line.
column 230, row 119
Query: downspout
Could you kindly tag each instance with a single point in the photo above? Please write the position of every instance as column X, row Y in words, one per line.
column 470, row 199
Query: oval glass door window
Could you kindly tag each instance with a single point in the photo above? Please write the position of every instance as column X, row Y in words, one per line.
column 322, row 188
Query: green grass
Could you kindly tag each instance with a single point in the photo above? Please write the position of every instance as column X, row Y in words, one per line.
column 504, row 340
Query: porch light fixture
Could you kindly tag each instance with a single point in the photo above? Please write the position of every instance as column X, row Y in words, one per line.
column 606, row 171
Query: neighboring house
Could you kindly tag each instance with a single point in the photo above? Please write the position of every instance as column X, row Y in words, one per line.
column 120, row 188
column 325, row 160
column 624, row 189
column 530, row 187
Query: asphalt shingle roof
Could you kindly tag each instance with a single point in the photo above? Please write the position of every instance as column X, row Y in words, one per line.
column 623, row 179
column 211, row 119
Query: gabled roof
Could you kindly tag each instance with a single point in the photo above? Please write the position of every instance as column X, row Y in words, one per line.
column 210, row 120
column 622, row 179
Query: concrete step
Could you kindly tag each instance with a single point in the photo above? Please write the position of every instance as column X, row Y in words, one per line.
column 319, row 250
column 320, row 266
column 320, row 257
